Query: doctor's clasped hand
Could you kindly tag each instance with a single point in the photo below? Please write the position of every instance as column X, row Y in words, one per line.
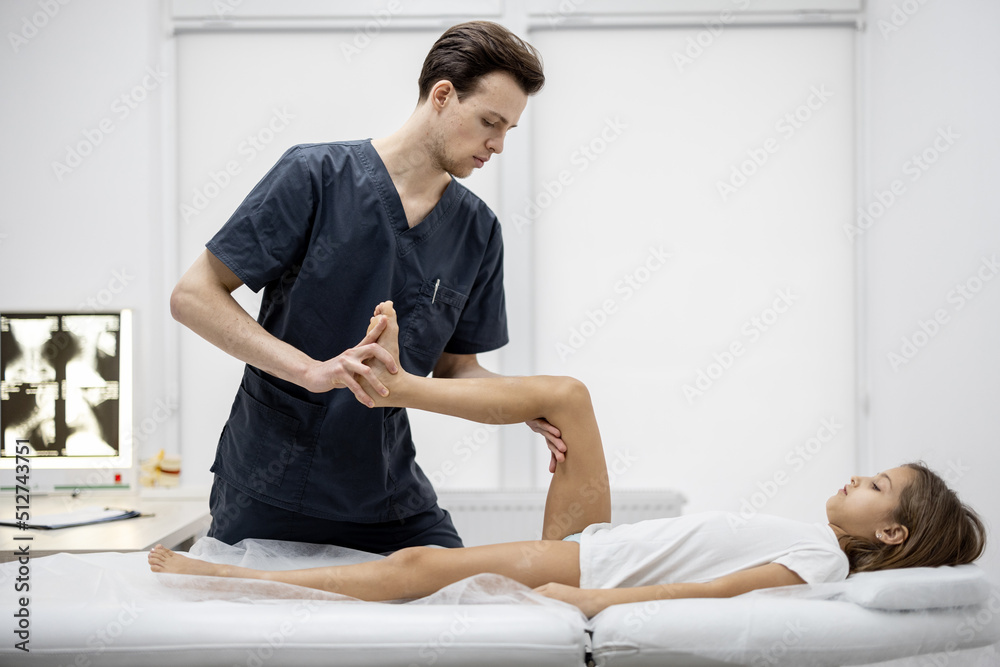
column 341, row 371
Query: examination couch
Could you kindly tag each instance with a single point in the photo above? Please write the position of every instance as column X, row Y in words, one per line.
column 109, row 609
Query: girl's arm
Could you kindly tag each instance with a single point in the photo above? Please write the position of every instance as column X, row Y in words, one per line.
column 595, row 600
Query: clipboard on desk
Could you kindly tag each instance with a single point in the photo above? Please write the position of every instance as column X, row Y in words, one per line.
column 80, row 517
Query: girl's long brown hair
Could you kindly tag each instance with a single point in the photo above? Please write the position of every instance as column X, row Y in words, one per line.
column 942, row 529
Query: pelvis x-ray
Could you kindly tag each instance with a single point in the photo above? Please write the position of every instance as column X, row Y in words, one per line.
column 59, row 384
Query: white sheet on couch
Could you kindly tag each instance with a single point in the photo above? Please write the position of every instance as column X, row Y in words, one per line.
column 109, row 609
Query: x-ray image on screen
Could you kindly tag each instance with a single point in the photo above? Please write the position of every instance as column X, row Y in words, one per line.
column 59, row 384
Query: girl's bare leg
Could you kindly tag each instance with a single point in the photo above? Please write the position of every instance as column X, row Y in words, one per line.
column 408, row 573
column 579, row 494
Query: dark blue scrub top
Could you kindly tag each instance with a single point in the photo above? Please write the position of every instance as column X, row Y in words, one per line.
column 324, row 234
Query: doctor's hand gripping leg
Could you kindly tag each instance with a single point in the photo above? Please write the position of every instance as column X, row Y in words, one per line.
column 579, row 493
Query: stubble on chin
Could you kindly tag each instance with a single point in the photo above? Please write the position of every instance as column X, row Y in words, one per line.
column 440, row 160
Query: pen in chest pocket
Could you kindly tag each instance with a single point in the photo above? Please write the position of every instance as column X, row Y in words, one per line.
column 436, row 285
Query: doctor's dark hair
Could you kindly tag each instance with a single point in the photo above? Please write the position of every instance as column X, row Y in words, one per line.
column 468, row 51
column 942, row 529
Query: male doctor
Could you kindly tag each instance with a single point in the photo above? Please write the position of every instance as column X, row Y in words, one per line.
column 329, row 232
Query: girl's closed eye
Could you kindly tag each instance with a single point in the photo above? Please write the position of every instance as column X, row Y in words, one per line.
column 487, row 123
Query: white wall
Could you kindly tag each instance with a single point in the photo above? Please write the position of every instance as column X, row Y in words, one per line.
column 934, row 67
column 653, row 337
column 87, row 79
column 62, row 240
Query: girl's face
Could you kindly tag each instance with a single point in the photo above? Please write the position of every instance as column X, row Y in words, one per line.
column 864, row 506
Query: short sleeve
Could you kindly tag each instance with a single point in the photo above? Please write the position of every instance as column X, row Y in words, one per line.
column 483, row 324
column 268, row 233
column 816, row 564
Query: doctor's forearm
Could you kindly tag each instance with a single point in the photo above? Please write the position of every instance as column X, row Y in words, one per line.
column 218, row 318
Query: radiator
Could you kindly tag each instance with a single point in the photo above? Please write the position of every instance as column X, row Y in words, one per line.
column 488, row 517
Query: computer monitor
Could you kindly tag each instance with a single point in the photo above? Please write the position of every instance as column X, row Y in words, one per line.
column 66, row 401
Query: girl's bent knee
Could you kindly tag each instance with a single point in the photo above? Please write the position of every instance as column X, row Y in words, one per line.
column 573, row 391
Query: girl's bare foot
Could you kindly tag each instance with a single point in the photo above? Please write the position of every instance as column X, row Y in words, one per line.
column 390, row 336
column 388, row 339
column 162, row 559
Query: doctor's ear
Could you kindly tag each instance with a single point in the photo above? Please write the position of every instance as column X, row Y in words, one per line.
column 441, row 94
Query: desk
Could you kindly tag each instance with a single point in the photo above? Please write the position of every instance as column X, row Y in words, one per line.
column 176, row 522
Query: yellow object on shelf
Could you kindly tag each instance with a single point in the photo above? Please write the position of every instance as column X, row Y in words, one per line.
column 160, row 470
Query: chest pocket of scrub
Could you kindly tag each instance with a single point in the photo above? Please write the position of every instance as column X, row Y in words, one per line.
column 433, row 319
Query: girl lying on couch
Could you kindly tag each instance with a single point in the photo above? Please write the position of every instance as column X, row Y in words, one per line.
column 903, row 517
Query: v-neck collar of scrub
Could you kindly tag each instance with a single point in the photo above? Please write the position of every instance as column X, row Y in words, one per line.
column 407, row 237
